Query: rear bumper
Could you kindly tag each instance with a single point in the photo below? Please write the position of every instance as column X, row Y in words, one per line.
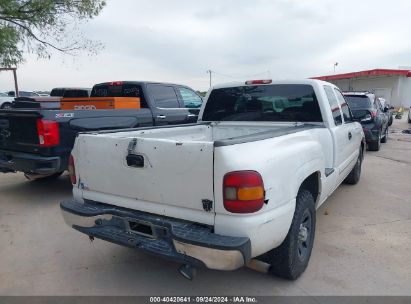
column 30, row 163
column 173, row 239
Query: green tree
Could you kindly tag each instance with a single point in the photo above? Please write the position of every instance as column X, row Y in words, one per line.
column 201, row 93
column 41, row 26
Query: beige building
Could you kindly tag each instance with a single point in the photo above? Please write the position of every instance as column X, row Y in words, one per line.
column 393, row 85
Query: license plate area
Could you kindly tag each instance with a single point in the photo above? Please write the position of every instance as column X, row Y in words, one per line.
column 140, row 227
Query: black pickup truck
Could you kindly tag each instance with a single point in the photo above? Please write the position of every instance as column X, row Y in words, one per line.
column 38, row 142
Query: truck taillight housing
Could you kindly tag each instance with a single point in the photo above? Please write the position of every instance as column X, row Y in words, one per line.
column 259, row 81
column 243, row 191
column 48, row 133
column 72, row 170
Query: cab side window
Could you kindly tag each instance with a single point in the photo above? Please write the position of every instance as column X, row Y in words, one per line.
column 164, row 96
column 344, row 106
column 335, row 109
column 190, row 99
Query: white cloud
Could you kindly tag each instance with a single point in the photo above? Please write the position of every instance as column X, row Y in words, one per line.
column 178, row 41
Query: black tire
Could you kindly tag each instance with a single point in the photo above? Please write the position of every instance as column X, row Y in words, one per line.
column 385, row 138
column 409, row 120
column 291, row 258
column 36, row 177
column 375, row 145
column 355, row 174
column 6, row 106
column 390, row 121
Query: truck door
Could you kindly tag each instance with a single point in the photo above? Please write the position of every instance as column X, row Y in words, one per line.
column 167, row 110
column 354, row 129
column 342, row 137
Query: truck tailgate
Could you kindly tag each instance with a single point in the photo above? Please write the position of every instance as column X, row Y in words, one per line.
column 176, row 178
column 18, row 131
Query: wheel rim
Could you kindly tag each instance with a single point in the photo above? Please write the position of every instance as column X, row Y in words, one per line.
column 304, row 236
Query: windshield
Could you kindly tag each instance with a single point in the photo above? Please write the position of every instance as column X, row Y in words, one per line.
column 358, row 102
column 282, row 102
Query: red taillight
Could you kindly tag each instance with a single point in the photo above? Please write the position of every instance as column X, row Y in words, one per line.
column 72, row 170
column 243, row 191
column 48, row 133
column 260, row 81
column 115, row 83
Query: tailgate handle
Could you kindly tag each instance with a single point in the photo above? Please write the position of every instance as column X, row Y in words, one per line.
column 136, row 161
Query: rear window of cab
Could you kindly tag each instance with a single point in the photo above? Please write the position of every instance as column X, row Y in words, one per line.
column 278, row 102
column 122, row 90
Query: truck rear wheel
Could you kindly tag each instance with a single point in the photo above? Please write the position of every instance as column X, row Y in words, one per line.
column 291, row 258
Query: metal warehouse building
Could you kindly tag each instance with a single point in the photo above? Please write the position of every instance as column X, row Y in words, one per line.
column 393, row 85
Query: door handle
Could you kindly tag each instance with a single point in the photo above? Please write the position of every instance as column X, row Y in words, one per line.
column 349, row 135
column 191, row 115
column 161, row 116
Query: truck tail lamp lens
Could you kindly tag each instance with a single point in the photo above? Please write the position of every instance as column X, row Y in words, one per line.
column 260, row 81
column 48, row 133
column 72, row 170
column 243, row 191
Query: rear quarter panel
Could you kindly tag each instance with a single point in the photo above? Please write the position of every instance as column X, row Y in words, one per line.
column 284, row 163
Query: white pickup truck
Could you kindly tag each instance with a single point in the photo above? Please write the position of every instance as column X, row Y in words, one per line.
column 241, row 184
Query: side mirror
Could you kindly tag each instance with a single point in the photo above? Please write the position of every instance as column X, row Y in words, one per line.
column 366, row 118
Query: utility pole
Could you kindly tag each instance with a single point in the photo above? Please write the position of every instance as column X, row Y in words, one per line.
column 209, row 71
column 16, row 87
column 335, row 64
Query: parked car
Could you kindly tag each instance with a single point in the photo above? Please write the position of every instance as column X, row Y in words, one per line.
column 5, row 101
column 77, row 92
column 242, row 183
column 23, row 94
column 38, row 141
column 374, row 118
column 51, row 101
column 384, row 105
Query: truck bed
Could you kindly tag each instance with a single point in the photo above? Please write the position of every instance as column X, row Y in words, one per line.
column 222, row 133
column 165, row 170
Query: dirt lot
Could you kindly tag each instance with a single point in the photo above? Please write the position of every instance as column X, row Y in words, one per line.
column 362, row 246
